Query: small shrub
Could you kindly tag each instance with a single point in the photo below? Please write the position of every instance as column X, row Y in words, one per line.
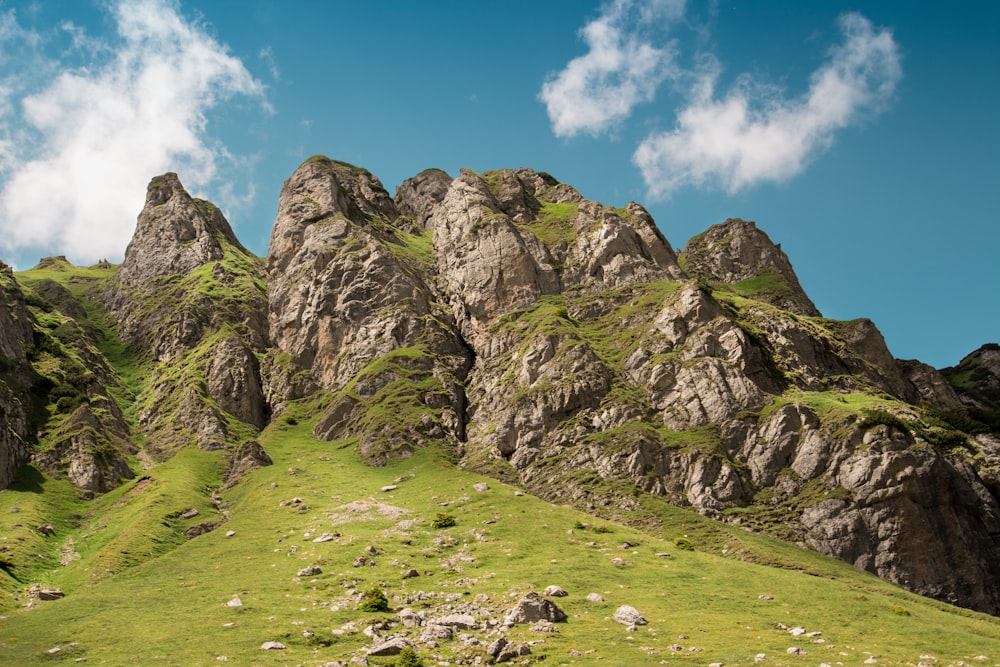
column 900, row 611
column 443, row 520
column 683, row 543
column 374, row 600
column 291, row 421
column 602, row 529
column 579, row 525
column 409, row 658
column 875, row 417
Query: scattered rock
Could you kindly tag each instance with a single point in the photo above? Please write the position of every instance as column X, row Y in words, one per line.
column 235, row 602
column 462, row 621
column 765, row 597
column 200, row 529
column 595, row 597
column 434, row 632
column 230, row 533
column 796, row 650
column 310, row 571
column 627, row 615
column 389, row 487
column 391, row 646
column 50, row 594
column 533, row 607
column 409, row 574
column 189, row 513
column 325, row 537
column 481, row 486
column 555, row 592
column 543, row 626
column 272, row 646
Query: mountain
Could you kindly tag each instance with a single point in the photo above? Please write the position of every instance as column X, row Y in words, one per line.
column 495, row 324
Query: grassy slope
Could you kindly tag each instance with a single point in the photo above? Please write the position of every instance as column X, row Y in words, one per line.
column 171, row 609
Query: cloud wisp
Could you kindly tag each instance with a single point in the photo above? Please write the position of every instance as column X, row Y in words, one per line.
column 100, row 130
column 620, row 70
column 749, row 134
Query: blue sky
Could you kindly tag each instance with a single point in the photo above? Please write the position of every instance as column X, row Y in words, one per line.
column 860, row 136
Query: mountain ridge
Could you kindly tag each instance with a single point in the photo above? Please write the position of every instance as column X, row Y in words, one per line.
column 535, row 336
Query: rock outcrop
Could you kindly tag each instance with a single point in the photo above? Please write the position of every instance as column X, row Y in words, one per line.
column 737, row 253
column 191, row 302
column 15, row 337
column 351, row 313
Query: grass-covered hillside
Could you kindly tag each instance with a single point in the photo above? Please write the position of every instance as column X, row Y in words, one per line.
column 137, row 591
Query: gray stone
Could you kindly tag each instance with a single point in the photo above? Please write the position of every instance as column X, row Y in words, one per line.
column 627, row 615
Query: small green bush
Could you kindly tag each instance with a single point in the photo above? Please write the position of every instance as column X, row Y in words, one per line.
column 683, row 543
column 409, row 658
column 900, row 611
column 601, row 529
column 374, row 600
column 875, row 417
column 443, row 520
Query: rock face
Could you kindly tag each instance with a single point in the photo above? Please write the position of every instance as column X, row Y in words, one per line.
column 85, row 437
column 191, row 302
column 15, row 337
column 738, row 253
column 533, row 335
column 350, row 312
column 977, row 379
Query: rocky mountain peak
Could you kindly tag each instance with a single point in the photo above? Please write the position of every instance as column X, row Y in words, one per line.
column 324, row 191
column 417, row 196
column 174, row 234
column 735, row 252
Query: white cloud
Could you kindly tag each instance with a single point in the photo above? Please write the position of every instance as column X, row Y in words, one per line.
column 620, row 70
column 752, row 134
column 103, row 130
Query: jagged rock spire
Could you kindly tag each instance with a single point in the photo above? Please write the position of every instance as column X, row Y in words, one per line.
column 736, row 251
column 175, row 234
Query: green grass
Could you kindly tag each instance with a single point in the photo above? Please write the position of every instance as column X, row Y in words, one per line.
column 554, row 224
column 169, row 607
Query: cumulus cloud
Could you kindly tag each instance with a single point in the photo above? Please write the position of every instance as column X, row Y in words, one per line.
column 752, row 134
column 100, row 130
column 621, row 69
